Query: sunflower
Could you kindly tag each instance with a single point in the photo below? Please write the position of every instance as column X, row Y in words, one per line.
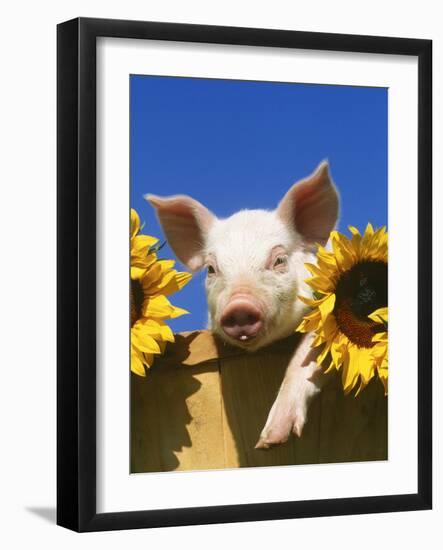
column 152, row 280
column 349, row 310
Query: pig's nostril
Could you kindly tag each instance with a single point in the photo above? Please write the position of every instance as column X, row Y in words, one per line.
column 228, row 321
column 240, row 320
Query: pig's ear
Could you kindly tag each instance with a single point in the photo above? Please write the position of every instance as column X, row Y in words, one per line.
column 185, row 222
column 311, row 206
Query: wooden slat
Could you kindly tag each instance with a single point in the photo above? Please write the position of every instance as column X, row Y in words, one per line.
column 203, row 405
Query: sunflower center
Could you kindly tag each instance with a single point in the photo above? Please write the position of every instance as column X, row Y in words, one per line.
column 359, row 292
column 136, row 301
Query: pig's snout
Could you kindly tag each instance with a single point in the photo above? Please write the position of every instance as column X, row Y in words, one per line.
column 242, row 318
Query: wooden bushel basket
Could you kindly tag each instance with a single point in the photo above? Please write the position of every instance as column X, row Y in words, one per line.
column 203, row 405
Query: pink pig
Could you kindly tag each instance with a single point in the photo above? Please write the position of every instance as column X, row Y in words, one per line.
column 255, row 271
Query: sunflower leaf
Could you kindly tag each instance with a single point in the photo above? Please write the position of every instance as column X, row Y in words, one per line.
column 155, row 249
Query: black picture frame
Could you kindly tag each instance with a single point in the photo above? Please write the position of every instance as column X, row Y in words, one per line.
column 76, row 295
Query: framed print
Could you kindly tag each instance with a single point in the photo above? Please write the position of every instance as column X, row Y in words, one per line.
column 244, row 255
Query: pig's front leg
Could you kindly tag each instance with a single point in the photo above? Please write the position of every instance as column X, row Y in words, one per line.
column 303, row 380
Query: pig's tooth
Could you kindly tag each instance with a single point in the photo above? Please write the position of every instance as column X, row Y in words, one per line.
column 243, row 337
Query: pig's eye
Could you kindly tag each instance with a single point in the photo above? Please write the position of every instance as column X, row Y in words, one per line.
column 281, row 263
column 211, row 270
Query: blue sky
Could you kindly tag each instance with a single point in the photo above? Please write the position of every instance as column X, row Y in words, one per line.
column 237, row 144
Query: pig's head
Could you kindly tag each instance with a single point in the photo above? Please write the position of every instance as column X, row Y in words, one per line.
column 255, row 258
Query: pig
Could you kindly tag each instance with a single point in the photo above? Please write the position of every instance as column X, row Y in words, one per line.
column 255, row 262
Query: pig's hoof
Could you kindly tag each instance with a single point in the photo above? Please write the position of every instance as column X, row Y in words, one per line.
column 277, row 433
column 263, row 444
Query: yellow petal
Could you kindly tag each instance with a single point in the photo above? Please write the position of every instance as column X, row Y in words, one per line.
column 360, row 364
column 317, row 341
column 314, row 314
column 338, row 352
column 369, row 229
column 380, row 315
column 382, row 372
column 350, row 370
column 315, row 270
column 137, row 273
column 143, row 342
column 355, row 240
column 178, row 312
column 322, row 356
column 312, row 302
column 182, row 278
column 155, row 279
column 140, row 263
column 148, row 359
column 135, row 223
column 158, row 307
column 355, row 232
column 367, row 236
column 175, row 283
column 157, row 330
column 349, row 375
column 321, row 283
column 166, row 264
column 327, row 258
column 327, row 307
column 137, row 362
column 366, row 364
column 329, row 328
column 308, row 325
column 380, row 337
column 331, row 367
column 343, row 256
column 141, row 244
